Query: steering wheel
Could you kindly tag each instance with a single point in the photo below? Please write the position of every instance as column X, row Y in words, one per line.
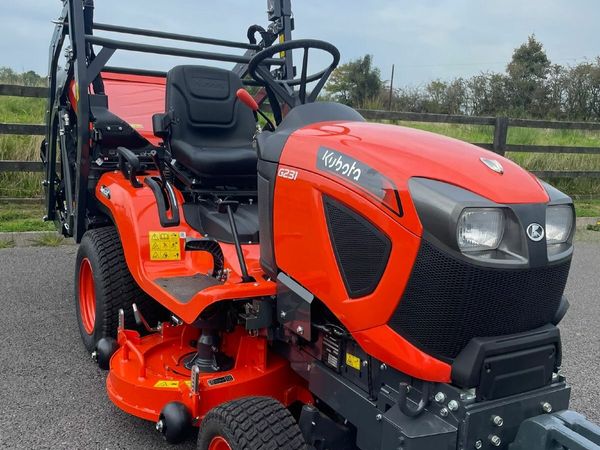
column 284, row 89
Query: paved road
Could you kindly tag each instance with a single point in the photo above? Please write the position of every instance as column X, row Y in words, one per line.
column 52, row 395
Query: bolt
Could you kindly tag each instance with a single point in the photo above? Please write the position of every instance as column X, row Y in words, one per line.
column 160, row 426
column 478, row 444
column 440, row 397
column 547, row 407
column 498, row 421
column 283, row 315
column 300, row 330
column 379, row 417
column 444, row 412
column 383, row 367
column 495, row 440
column 453, row 405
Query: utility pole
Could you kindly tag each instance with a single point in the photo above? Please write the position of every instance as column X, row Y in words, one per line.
column 391, row 89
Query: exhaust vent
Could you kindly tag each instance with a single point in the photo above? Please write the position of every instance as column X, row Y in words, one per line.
column 361, row 250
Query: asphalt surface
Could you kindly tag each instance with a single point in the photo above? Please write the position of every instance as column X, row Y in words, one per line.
column 52, row 394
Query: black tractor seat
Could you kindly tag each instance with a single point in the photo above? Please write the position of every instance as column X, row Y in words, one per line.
column 208, row 130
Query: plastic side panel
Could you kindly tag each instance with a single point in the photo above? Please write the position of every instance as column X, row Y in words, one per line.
column 304, row 251
column 135, row 215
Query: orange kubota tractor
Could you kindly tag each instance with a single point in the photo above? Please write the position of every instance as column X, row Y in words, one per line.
column 314, row 282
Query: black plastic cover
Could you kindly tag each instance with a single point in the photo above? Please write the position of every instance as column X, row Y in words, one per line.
column 505, row 365
column 271, row 144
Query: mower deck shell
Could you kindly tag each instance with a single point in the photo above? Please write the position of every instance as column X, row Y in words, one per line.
column 148, row 372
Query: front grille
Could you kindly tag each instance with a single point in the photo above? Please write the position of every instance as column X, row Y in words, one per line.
column 361, row 250
column 447, row 302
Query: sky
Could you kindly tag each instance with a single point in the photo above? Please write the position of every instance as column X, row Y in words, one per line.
column 424, row 39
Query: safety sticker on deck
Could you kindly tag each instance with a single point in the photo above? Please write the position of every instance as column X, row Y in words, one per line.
column 167, row 384
column 164, row 246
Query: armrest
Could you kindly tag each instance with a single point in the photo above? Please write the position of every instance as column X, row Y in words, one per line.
column 161, row 124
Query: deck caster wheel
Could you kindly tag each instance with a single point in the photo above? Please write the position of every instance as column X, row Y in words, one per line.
column 174, row 423
column 105, row 348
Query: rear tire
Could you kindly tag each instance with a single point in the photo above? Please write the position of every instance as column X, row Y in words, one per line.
column 251, row 423
column 103, row 285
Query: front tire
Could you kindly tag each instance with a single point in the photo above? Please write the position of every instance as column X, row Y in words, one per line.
column 251, row 423
column 103, row 285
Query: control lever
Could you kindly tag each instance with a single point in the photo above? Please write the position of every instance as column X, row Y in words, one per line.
column 230, row 206
column 246, row 98
column 140, row 321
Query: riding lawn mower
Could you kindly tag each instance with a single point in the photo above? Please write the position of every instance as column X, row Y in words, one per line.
column 282, row 274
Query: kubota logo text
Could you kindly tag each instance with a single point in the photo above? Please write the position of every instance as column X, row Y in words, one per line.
column 342, row 165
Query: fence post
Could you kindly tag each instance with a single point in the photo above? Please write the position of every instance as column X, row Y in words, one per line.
column 500, row 135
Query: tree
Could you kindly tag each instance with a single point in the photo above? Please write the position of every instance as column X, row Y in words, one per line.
column 527, row 71
column 356, row 82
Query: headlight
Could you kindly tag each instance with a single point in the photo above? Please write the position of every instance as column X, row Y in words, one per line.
column 559, row 223
column 480, row 229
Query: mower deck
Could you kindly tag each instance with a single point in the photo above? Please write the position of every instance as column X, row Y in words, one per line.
column 148, row 372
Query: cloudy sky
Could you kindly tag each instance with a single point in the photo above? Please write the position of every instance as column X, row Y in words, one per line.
column 425, row 39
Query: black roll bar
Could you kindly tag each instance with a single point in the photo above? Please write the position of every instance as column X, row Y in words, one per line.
column 173, row 51
column 173, row 36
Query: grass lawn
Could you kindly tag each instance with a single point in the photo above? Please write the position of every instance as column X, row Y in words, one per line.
column 23, row 217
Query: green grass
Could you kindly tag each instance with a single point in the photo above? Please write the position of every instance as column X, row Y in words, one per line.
column 587, row 208
column 24, row 148
column 23, row 217
column 6, row 243
column 50, row 240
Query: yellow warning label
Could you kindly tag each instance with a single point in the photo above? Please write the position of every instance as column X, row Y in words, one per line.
column 352, row 361
column 164, row 246
column 167, row 384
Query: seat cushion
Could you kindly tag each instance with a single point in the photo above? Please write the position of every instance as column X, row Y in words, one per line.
column 219, row 166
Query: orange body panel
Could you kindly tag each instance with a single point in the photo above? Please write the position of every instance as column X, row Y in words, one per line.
column 135, row 214
column 303, row 248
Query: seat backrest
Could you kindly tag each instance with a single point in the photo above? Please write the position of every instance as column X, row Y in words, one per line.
column 204, row 108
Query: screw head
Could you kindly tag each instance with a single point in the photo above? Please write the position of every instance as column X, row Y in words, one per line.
column 453, row 405
column 495, row 440
column 300, row 330
column 383, row 367
column 379, row 417
column 478, row 444
column 498, row 421
column 95, row 355
column 440, row 397
column 444, row 412
column 365, row 363
column 283, row 315
column 547, row 407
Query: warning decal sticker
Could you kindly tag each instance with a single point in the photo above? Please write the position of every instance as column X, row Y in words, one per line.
column 164, row 246
column 167, row 384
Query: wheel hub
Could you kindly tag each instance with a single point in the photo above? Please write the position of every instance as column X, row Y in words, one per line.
column 87, row 296
column 219, row 443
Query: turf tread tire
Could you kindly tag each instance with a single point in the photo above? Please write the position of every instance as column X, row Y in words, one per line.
column 252, row 423
column 114, row 286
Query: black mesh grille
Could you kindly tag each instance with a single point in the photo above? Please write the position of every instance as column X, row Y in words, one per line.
column 447, row 302
column 361, row 250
